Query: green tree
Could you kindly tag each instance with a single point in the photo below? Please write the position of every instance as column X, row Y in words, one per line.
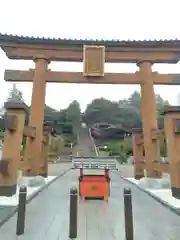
column 125, row 113
column 160, row 104
column 74, row 116
column 117, row 113
column 101, row 110
column 135, row 99
column 15, row 95
column 62, row 116
column 129, row 117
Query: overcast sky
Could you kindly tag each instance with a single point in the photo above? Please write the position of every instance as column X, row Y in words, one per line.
column 115, row 19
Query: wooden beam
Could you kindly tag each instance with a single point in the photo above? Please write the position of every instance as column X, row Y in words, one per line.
column 161, row 167
column 77, row 77
column 75, row 54
column 72, row 77
column 167, row 79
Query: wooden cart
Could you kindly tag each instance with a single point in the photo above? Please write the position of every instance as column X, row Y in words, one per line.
column 94, row 178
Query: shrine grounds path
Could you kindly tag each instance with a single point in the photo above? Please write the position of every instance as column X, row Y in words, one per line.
column 47, row 215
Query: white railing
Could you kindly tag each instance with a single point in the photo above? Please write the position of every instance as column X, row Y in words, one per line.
column 94, row 163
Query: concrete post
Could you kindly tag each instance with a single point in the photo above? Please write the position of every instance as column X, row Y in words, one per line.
column 172, row 132
column 9, row 165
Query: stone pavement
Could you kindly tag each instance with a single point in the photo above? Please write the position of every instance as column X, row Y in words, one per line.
column 48, row 215
column 54, row 170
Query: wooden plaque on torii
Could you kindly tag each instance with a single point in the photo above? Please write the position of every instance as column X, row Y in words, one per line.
column 93, row 61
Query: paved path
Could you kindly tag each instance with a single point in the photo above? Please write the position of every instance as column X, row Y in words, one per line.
column 53, row 170
column 47, row 215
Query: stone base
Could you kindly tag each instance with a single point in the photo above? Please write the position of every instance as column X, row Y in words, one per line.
column 45, row 175
column 138, row 176
column 175, row 192
column 155, row 183
column 8, row 191
column 33, row 181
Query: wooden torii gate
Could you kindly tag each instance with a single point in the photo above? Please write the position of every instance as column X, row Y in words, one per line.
column 93, row 54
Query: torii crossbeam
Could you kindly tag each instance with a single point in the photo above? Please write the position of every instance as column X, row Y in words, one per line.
column 77, row 77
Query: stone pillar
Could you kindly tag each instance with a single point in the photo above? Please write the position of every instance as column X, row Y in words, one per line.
column 10, row 162
column 172, row 132
column 36, row 119
column 138, row 157
column 149, row 117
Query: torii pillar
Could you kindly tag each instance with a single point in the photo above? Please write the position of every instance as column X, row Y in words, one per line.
column 138, row 153
column 149, row 117
column 33, row 148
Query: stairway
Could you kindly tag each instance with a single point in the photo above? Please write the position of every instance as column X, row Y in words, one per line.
column 85, row 146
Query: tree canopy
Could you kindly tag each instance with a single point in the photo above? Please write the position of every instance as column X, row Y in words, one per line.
column 74, row 116
column 109, row 119
column 125, row 113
